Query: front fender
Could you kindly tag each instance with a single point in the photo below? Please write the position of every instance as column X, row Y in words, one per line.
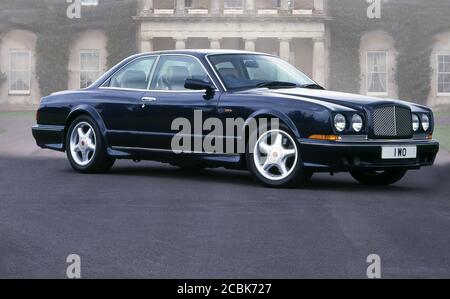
column 270, row 113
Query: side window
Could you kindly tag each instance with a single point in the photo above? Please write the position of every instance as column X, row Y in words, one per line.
column 173, row 71
column 135, row 75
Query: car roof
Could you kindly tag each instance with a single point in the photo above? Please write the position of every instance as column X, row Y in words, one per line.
column 201, row 52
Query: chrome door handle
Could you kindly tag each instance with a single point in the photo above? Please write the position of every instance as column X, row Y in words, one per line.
column 148, row 99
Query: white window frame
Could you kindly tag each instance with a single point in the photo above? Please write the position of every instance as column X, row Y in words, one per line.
column 19, row 92
column 387, row 74
column 89, row 2
column 441, row 94
column 89, row 51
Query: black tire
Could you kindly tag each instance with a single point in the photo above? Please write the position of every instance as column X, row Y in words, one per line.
column 297, row 178
column 379, row 178
column 100, row 161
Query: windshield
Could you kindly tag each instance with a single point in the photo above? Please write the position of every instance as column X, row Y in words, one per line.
column 242, row 71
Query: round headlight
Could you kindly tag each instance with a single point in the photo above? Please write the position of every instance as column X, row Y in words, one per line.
column 357, row 123
column 415, row 122
column 339, row 122
column 425, row 122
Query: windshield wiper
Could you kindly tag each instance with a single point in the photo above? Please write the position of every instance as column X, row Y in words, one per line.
column 312, row 86
column 276, row 84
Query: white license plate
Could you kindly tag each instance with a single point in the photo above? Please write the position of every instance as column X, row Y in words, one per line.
column 399, row 152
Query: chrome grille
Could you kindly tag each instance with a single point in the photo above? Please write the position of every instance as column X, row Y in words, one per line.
column 392, row 121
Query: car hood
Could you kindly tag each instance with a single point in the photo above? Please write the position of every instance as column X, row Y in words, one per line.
column 334, row 100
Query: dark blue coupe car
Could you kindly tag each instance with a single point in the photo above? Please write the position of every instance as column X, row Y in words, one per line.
column 177, row 107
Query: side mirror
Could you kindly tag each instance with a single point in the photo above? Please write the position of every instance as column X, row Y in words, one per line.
column 195, row 84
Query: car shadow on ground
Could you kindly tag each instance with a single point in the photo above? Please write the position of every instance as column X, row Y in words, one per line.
column 319, row 182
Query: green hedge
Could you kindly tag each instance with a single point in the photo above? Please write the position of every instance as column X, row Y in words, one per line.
column 55, row 32
column 413, row 25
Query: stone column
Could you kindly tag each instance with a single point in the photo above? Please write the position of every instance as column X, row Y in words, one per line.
column 215, row 6
column 319, row 60
column 250, row 44
column 214, row 43
column 148, row 6
column 250, row 6
column 284, row 5
column 285, row 48
column 146, row 45
column 318, row 5
column 180, row 43
column 180, row 9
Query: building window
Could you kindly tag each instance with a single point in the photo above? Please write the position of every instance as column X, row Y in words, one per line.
column 20, row 72
column 89, row 67
column 233, row 4
column 377, row 76
column 189, row 3
column 89, row 2
column 443, row 73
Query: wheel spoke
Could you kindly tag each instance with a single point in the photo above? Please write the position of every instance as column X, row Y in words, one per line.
column 289, row 153
column 264, row 147
column 77, row 148
column 84, row 156
column 267, row 165
column 282, row 168
column 89, row 133
column 90, row 145
column 80, row 133
column 279, row 140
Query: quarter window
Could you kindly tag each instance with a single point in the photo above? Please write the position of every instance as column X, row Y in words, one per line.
column 134, row 76
column 443, row 73
column 173, row 71
column 89, row 67
column 377, row 72
column 20, row 72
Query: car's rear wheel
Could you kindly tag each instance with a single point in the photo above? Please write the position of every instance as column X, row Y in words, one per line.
column 379, row 178
column 275, row 159
column 85, row 147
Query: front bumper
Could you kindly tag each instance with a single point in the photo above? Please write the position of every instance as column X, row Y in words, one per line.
column 338, row 156
column 51, row 137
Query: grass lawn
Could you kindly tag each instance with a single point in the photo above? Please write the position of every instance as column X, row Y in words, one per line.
column 442, row 134
column 17, row 114
column 442, row 129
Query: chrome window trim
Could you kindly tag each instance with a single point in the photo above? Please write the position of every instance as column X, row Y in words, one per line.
column 245, row 53
column 215, row 72
column 153, row 73
column 199, row 61
column 127, row 64
column 155, row 91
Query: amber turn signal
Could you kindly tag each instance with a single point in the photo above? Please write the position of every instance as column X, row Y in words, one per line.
column 325, row 137
column 430, row 136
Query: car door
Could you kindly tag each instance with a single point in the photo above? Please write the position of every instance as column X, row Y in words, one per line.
column 168, row 100
column 121, row 98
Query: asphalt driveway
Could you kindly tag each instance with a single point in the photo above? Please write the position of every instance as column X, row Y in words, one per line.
column 150, row 220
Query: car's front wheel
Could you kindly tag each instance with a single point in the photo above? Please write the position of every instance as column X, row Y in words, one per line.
column 275, row 159
column 379, row 178
column 85, row 147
